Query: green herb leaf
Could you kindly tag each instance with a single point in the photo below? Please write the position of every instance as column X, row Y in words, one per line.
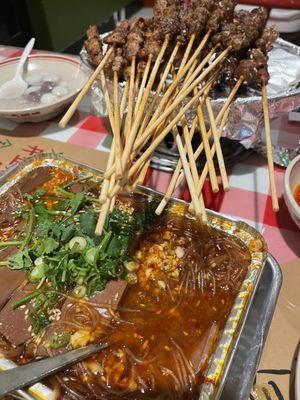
column 88, row 221
column 77, row 201
column 20, row 260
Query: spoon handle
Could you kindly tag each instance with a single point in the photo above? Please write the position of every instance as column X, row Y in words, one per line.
column 25, row 55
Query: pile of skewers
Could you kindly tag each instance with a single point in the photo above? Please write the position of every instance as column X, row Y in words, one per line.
column 200, row 45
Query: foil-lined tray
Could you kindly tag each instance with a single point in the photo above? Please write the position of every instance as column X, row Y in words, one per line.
column 216, row 373
column 246, row 115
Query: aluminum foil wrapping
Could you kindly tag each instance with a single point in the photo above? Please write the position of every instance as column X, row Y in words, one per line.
column 246, row 113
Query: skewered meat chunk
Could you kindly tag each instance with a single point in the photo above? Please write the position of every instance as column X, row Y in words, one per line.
column 92, row 32
column 267, row 40
column 93, row 46
column 244, row 30
column 166, row 16
column 194, row 20
column 118, row 62
column 135, row 38
column 141, row 67
column 223, row 12
column 258, row 57
column 247, row 69
column 118, row 36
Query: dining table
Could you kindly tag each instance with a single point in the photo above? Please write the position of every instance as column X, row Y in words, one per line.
column 249, row 199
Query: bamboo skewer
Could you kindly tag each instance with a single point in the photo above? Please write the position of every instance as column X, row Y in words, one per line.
column 225, row 106
column 143, row 83
column 204, row 173
column 66, row 118
column 140, row 112
column 117, row 138
column 179, row 98
column 162, row 135
column 275, row 204
column 143, row 171
column 111, row 158
column 159, row 88
column 180, row 75
column 147, row 133
column 205, row 141
column 220, row 157
column 178, row 175
column 188, row 175
column 130, row 108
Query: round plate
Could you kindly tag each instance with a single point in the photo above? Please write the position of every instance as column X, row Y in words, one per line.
column 66, row 68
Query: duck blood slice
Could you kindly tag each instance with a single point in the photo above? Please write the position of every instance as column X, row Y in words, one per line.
column 79, row 315
column 10, row 280
column 202, row 350
column 15, row 325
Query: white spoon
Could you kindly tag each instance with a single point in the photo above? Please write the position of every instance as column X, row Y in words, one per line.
column 17, row 86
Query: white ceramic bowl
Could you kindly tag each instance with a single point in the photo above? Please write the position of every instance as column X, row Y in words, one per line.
column 67, row 69
column 291, row 180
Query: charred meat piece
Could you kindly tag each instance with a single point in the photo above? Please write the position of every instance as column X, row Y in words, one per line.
column 222, row 12
column 118, row 62
column 258, row 57
column 267, row 40
column 119, row 34
column 247, row 69
column 92, row 32
column 93, row 46
column 166, row 16
column 244, row 30
column 135, row 38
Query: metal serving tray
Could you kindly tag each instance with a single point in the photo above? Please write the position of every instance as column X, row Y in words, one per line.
column 218, row 375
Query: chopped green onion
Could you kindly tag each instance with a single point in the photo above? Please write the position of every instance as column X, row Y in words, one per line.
column 91, row 255
column 37, row 273
column 79, row 291
column 12, row 243
column 24, row 300
column 79, row 180
column 58, row 340
column 78, row 241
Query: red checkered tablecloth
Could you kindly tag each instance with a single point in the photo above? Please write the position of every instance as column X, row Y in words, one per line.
column 249, row 198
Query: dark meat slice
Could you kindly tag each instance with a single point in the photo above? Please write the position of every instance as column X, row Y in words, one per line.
column 10, row 280
column 202, row 350
column 92, row 315
column 92, row 32
column 15, row 326
column 119, row 34
column 266, row 41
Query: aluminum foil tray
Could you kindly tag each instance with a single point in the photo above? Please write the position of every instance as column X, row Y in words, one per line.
column 221, row 360
column 246, row 115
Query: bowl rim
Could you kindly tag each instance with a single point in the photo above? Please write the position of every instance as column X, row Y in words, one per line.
column 287, row 186
column 44, row 56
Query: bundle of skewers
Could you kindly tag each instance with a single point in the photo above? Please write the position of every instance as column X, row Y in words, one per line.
column 199, row 45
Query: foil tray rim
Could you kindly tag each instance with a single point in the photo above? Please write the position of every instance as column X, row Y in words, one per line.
column 214, row 376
